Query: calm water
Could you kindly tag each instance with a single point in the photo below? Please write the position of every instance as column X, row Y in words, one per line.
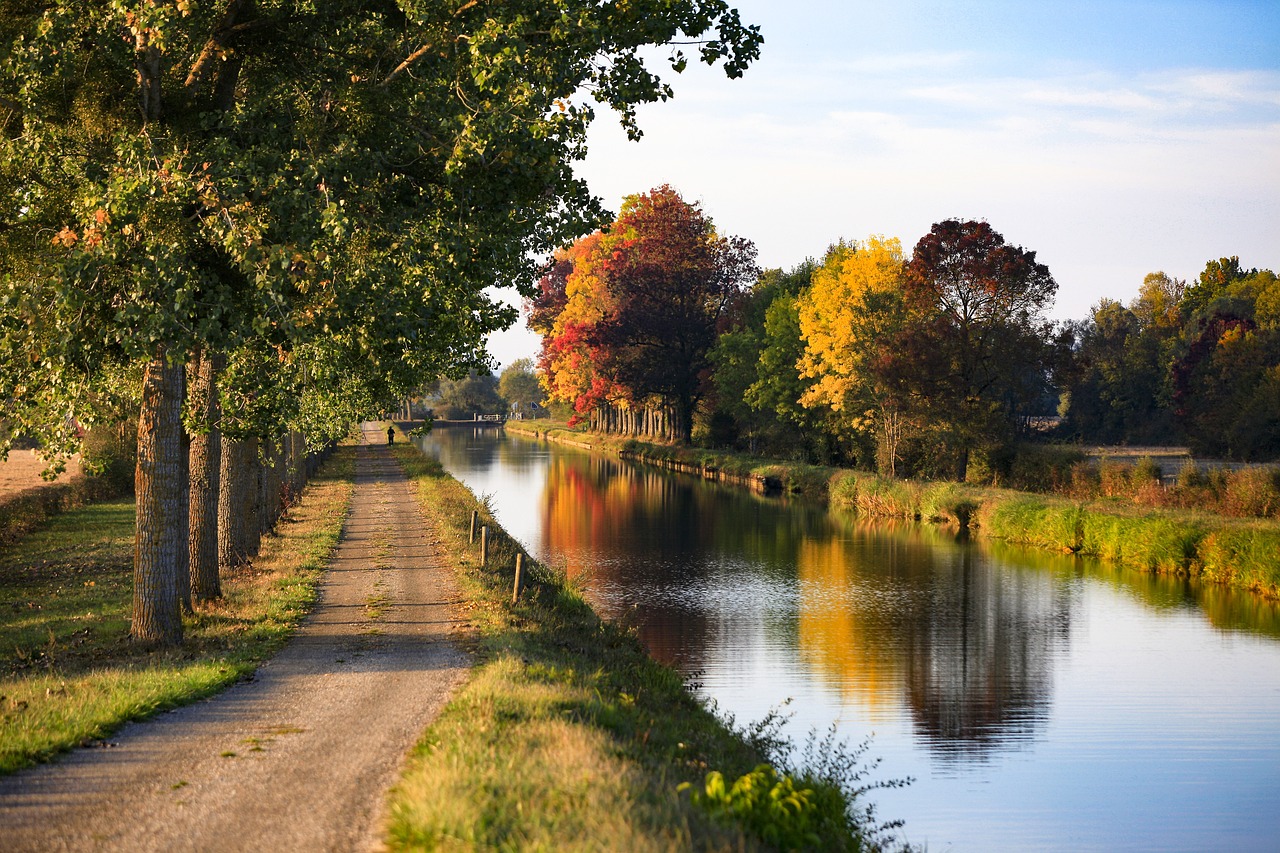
column 1039, row 702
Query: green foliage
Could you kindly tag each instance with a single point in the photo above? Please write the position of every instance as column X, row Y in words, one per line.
column 110, row 451
column 519, row 387
column 769, row 805
column 1248, row 557
column 1043, row 468
column 462, row 399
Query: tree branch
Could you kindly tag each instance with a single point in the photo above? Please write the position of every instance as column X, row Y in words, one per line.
column 425, row 49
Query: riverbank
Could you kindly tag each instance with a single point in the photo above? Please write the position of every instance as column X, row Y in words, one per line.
column 569, row 736
column 1240, row 553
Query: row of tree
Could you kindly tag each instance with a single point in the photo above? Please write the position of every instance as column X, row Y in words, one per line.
column 934, row 364
column 1197, row 362
column 300, row 205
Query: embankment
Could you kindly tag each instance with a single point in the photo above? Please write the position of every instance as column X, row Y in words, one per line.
column 1242, row 553
column 568, row 735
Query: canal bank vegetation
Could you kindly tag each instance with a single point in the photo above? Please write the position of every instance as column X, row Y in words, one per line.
column 568, row 736
column 1112, row 511
column 69, row 673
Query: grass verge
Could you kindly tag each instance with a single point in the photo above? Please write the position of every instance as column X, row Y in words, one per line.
column 569, row 736
column 70, row 675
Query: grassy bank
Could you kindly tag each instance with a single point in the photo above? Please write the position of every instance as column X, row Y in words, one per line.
column 569, row 737
column 69, row 673
column 762, row 474
column 1238, row 552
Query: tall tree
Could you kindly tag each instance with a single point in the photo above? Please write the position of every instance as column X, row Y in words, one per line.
column 849, row 318
column 520, row 387
column 977, row 346
column 655, row 288
column 218, row 172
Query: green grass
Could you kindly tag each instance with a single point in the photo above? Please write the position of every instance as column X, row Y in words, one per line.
column 568, row 736
column 69, row 674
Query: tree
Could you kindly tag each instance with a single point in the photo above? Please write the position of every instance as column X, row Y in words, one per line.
column 475, row 393
column 345, row 201
column 757, row 384
column 643, row 307
column 976, row 347
column 519, row 386
column 848, row 318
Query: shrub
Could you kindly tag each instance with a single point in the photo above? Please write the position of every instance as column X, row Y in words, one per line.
column 1043, row 467
column 110, row 451
column 1086, row 481
column 770, row 806
column 1252, row 492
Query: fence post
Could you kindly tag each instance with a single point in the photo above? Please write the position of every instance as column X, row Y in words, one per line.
column 515, row 592
column 484, row 545
column 475, row 515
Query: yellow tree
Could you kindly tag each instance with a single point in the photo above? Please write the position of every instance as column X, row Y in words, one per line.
column 851, row 311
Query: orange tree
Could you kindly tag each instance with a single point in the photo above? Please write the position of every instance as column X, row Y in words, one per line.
column 627, row 334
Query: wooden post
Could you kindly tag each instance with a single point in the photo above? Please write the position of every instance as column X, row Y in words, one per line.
column 475, row 516
column 515, row 591
column 484, row 545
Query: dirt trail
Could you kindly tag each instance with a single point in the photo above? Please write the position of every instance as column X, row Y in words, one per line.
column 301, row 757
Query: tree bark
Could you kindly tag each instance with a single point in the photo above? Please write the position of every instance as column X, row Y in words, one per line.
column 252, row 506
column 160, row 541
column 206, row 462
column 233, row 478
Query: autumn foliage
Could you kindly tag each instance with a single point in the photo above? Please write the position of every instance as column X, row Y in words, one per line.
column 629, row 315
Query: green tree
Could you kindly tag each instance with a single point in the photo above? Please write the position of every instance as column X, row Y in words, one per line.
column 172, row 181
column 476, row 393
column 519, row 386
column 757, row 384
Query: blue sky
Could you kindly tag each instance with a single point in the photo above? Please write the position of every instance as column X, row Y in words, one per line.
column 1113, row 138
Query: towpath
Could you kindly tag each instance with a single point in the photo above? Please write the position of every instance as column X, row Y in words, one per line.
column 301, row 757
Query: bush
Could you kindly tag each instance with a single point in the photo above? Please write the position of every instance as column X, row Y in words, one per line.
column 1252, row 492
column 111, row 452
column 1086, row 481
column 1043, row 467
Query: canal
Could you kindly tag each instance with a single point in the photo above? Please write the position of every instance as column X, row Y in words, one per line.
column 1038, row 702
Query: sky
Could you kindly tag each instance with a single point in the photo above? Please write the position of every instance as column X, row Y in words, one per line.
column 1112, row 138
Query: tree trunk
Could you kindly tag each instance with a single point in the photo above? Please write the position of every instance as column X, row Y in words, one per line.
column 206, row 460
column 160, row 541
column 252, row 506
column 233, row 477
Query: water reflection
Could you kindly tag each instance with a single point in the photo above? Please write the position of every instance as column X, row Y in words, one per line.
column 887, row 618
column 1033, row 696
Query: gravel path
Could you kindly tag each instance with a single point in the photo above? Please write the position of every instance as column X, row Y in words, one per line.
column 301, row 757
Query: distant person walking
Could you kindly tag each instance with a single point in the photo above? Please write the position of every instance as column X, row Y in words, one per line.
column 391, row 434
